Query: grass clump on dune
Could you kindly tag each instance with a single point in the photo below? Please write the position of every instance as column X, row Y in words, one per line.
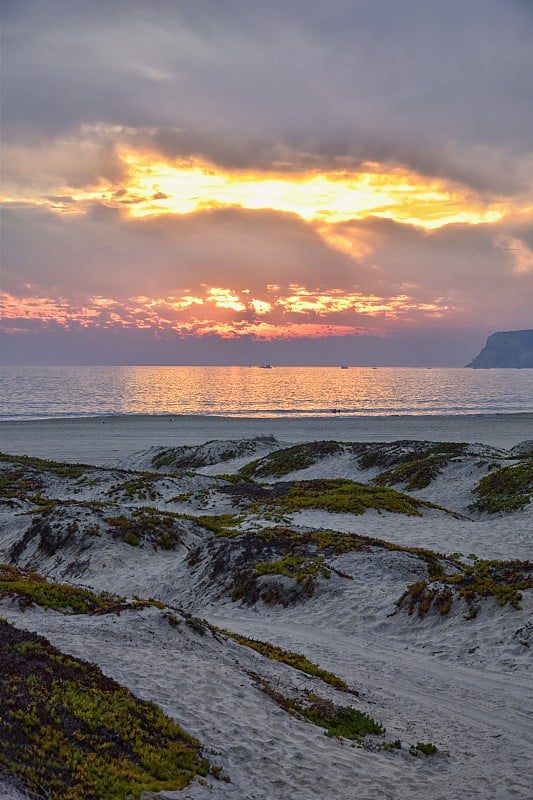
column 304, row 557
column 70, row 733
column 139, row 488
column 57, row 468
column 419, row 472
column 506, row 489
column 342, row 721
column 272, row 552
column 427, row 748
column 219, row 524
column 293, row 566
column 19, row 483
column 290, row 459
column 394, row 454
column 341, row 495
column 159, row 528
column 213, row 452
column 502, row 580
column 302, row 569
column 337, row 720
column 29, row 588
column 295, row 660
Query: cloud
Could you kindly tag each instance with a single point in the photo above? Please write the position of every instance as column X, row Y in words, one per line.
column 33, row 164
column 438, row 95
column 103, row 252
column 203, row 272
column 475, row 268
column 443, row 88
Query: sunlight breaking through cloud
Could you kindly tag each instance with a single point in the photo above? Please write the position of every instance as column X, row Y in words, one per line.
column 156, row 187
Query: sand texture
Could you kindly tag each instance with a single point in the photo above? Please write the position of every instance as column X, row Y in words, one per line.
column 398, row 564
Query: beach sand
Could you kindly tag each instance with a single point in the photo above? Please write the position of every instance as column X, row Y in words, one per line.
column 460, row 682
column 108, row 440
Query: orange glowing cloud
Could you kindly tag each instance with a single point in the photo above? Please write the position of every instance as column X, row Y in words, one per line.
column 323, row 203
column 156, row 187
column 225, row 298
column 332, row 314
column 146, row 185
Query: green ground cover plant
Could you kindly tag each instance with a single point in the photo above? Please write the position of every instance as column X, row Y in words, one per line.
column 342, row 721
column 138, row 488
column 507, row 489
column 342, row 496
column 165, row 459
column 146, row 524
column 394, row 454
column 293, row 566
column 295, row 660
column 70, row 733
column 192, row 457
column 304, row 570
column 419, row 472
column 302, row 556
column 57, row 468
column 197, row 625
column 502, row 580
column 219, row 524
column 28, row 587
column 19, row 483
column 290, row 459
column 427, row 748
column 332, row 543
column 51, row 508
column 23, row 478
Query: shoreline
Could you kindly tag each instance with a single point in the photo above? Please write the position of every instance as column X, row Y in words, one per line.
column 106, row 440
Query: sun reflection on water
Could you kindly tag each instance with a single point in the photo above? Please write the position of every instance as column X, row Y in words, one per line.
column 250, row 391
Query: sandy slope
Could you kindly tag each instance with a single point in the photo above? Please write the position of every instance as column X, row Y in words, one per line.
column 464, row 685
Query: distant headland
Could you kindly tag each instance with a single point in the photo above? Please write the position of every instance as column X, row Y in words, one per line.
column 512, row 349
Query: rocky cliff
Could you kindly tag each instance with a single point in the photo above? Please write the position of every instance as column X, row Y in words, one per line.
column 506, row 349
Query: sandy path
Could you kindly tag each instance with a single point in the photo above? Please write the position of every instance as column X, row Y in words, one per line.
column 483, row 720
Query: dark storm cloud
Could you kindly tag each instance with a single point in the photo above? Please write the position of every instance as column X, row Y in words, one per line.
column 442, row 87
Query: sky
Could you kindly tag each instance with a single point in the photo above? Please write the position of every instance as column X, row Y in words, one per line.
column 296, row 182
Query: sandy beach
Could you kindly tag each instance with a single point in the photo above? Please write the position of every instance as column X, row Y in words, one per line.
column 108, row 440
column 372, row 560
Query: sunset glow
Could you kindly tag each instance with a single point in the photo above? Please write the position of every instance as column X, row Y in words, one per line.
column 151, row 187
column 281, row 315
column 187, row 181
column 154, row 187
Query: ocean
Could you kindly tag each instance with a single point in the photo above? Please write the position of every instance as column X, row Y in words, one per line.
column 69, row 392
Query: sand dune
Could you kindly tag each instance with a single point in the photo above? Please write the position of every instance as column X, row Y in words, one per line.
column 310, row 550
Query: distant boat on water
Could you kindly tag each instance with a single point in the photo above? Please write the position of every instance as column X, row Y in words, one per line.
column 266, row 366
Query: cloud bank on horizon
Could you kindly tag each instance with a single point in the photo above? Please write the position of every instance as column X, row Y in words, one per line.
column 240, row 181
